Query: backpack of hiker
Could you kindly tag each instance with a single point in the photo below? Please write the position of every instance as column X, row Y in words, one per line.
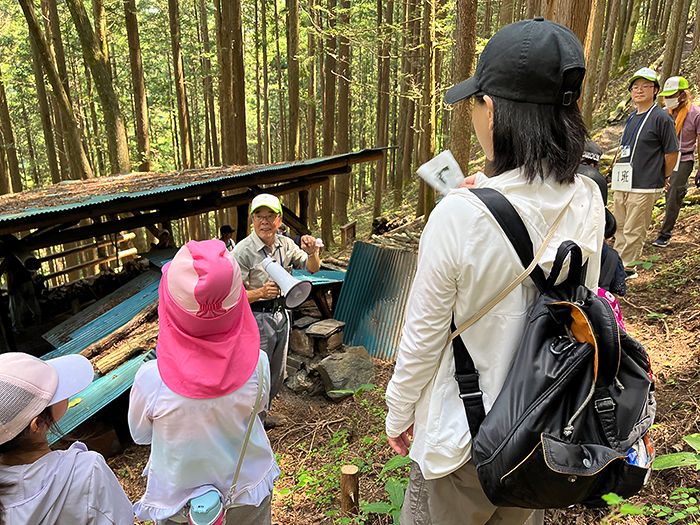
column 572, row 419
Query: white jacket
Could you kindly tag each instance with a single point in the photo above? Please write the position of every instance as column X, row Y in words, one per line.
column 464, row 261
column 65, row 487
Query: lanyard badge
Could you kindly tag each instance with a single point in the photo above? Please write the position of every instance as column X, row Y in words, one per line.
column 622, row 171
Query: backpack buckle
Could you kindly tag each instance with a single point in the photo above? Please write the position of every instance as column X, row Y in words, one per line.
column 471, row 394
column 604, row 405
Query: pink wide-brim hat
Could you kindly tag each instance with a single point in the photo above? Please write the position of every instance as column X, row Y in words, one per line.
column 208, row 340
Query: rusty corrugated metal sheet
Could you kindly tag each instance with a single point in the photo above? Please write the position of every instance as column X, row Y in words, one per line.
column 63, row 332
column 373, row 300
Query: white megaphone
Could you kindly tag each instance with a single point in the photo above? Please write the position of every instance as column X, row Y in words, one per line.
column 295, row 292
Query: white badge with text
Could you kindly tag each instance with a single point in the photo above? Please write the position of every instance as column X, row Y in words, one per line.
column 622, row 176
column 625, row 152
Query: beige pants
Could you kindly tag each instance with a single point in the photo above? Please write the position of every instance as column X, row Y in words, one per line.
column 633, row 215
column 457, row 499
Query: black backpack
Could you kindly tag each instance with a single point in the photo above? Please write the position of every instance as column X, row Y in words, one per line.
column 572, row 417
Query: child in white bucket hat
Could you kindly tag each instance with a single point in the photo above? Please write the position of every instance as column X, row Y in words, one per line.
column 196, row 403
column 45, row 487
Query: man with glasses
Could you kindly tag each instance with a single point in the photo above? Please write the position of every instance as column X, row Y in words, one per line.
column 263, row 293
column 647, row 156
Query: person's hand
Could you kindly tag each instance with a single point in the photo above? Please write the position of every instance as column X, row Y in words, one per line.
column 308, row 244
column 697, row 179
column 270, row 290
column 668, row 183
column 469, row 182
column 401, row 443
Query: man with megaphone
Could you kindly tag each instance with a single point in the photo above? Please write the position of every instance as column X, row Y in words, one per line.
column 264, row 294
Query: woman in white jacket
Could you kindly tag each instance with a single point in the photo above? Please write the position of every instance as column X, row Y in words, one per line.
column 527, row 121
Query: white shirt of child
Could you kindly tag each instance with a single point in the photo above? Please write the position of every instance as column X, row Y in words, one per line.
column 195, row 443
column 65, row 487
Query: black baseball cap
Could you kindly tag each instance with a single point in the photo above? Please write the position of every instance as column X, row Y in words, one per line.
column 526, row 62
column 226, row 228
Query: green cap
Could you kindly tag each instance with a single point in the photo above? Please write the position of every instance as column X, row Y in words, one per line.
column 645, row 72
column 672, row 85
column 265, row 199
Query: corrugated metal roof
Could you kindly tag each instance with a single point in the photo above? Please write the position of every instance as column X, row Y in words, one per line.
column 373, row 300
column 108, row 322
column 137, row 185
column 64, row 332
column 100, row 392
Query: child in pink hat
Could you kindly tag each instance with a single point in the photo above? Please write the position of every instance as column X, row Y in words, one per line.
column 195, row 402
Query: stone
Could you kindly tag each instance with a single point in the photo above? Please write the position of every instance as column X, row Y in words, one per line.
column 304, row 322
column 294, row 362
column 344, row 372
column 301, row 343
column 300, row 382
column 325, row 328
column 359, row 351
column 326, row 346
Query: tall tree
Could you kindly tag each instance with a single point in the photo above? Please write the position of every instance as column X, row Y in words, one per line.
column 280, row 93
column 575, row 15
column 592, row 51
column 8, row 140
column 225, row 34
column 94, row 52
column 267, row 142
column 80, row 167
column 505, row 15
column 207, row 83
column 143, row 141
column 631, row 30
column 239, row 98
column 329, row 123
column 258, row 101
column 312, row 147
column 384, row 20
column 680, row 38
column 465, row 48
column 293, row 76
column 602, row 88
column 183, row 116
column 429, row 111
column 342, row 182
column 4, row 175
column 672, row 39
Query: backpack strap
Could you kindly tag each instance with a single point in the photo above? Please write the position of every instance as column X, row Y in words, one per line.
column 575, row 275
column 466, row 374
column 512, row 225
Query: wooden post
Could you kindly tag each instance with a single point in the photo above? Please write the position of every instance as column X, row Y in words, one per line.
column 304, row 207
column 349, row 490
column 242, row 222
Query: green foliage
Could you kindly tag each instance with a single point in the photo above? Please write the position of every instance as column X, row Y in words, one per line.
column 395, row 487
column 646, row 263
column 356, row 393
column 683, row 509
column 681, row 459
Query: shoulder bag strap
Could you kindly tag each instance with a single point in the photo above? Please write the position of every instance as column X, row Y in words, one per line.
column 251, row 423
column 466, row 374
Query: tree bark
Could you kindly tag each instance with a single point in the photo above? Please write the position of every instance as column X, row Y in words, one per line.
column 672, row 40
column 668, row 6
column 208, row 84
column 429, row 96
column 258, row 98
column 138, row 85
column 312, row 148
column 98, row 61
column 342, row 182
column 680, row 39
column 280, row 93
column 465, row 48
column 629, row 39
column 602, row 88
column 226, row 83
column 619, row 36
column 75, row 147
column 8, row 141
column 239, row 124
column 505, row 15
column 384, row 21
column 30, row 146
column 329, row 124
column 575, row 15
column 183, row 116
column 293, row 77
column 593, row 42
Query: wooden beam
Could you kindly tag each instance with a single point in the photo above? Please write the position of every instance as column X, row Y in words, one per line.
column 94, row 262
column 290, row 218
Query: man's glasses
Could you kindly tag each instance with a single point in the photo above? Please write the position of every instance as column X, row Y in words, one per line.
column 265, row 218
column 642, row 88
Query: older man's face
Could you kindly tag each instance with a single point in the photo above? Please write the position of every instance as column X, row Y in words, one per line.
column 265, row 223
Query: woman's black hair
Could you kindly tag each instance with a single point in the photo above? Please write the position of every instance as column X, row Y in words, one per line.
column 22, row 442
column 610, row 224
column 545, row 140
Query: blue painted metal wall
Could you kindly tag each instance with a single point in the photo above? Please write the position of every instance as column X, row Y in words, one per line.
column 373, row 300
